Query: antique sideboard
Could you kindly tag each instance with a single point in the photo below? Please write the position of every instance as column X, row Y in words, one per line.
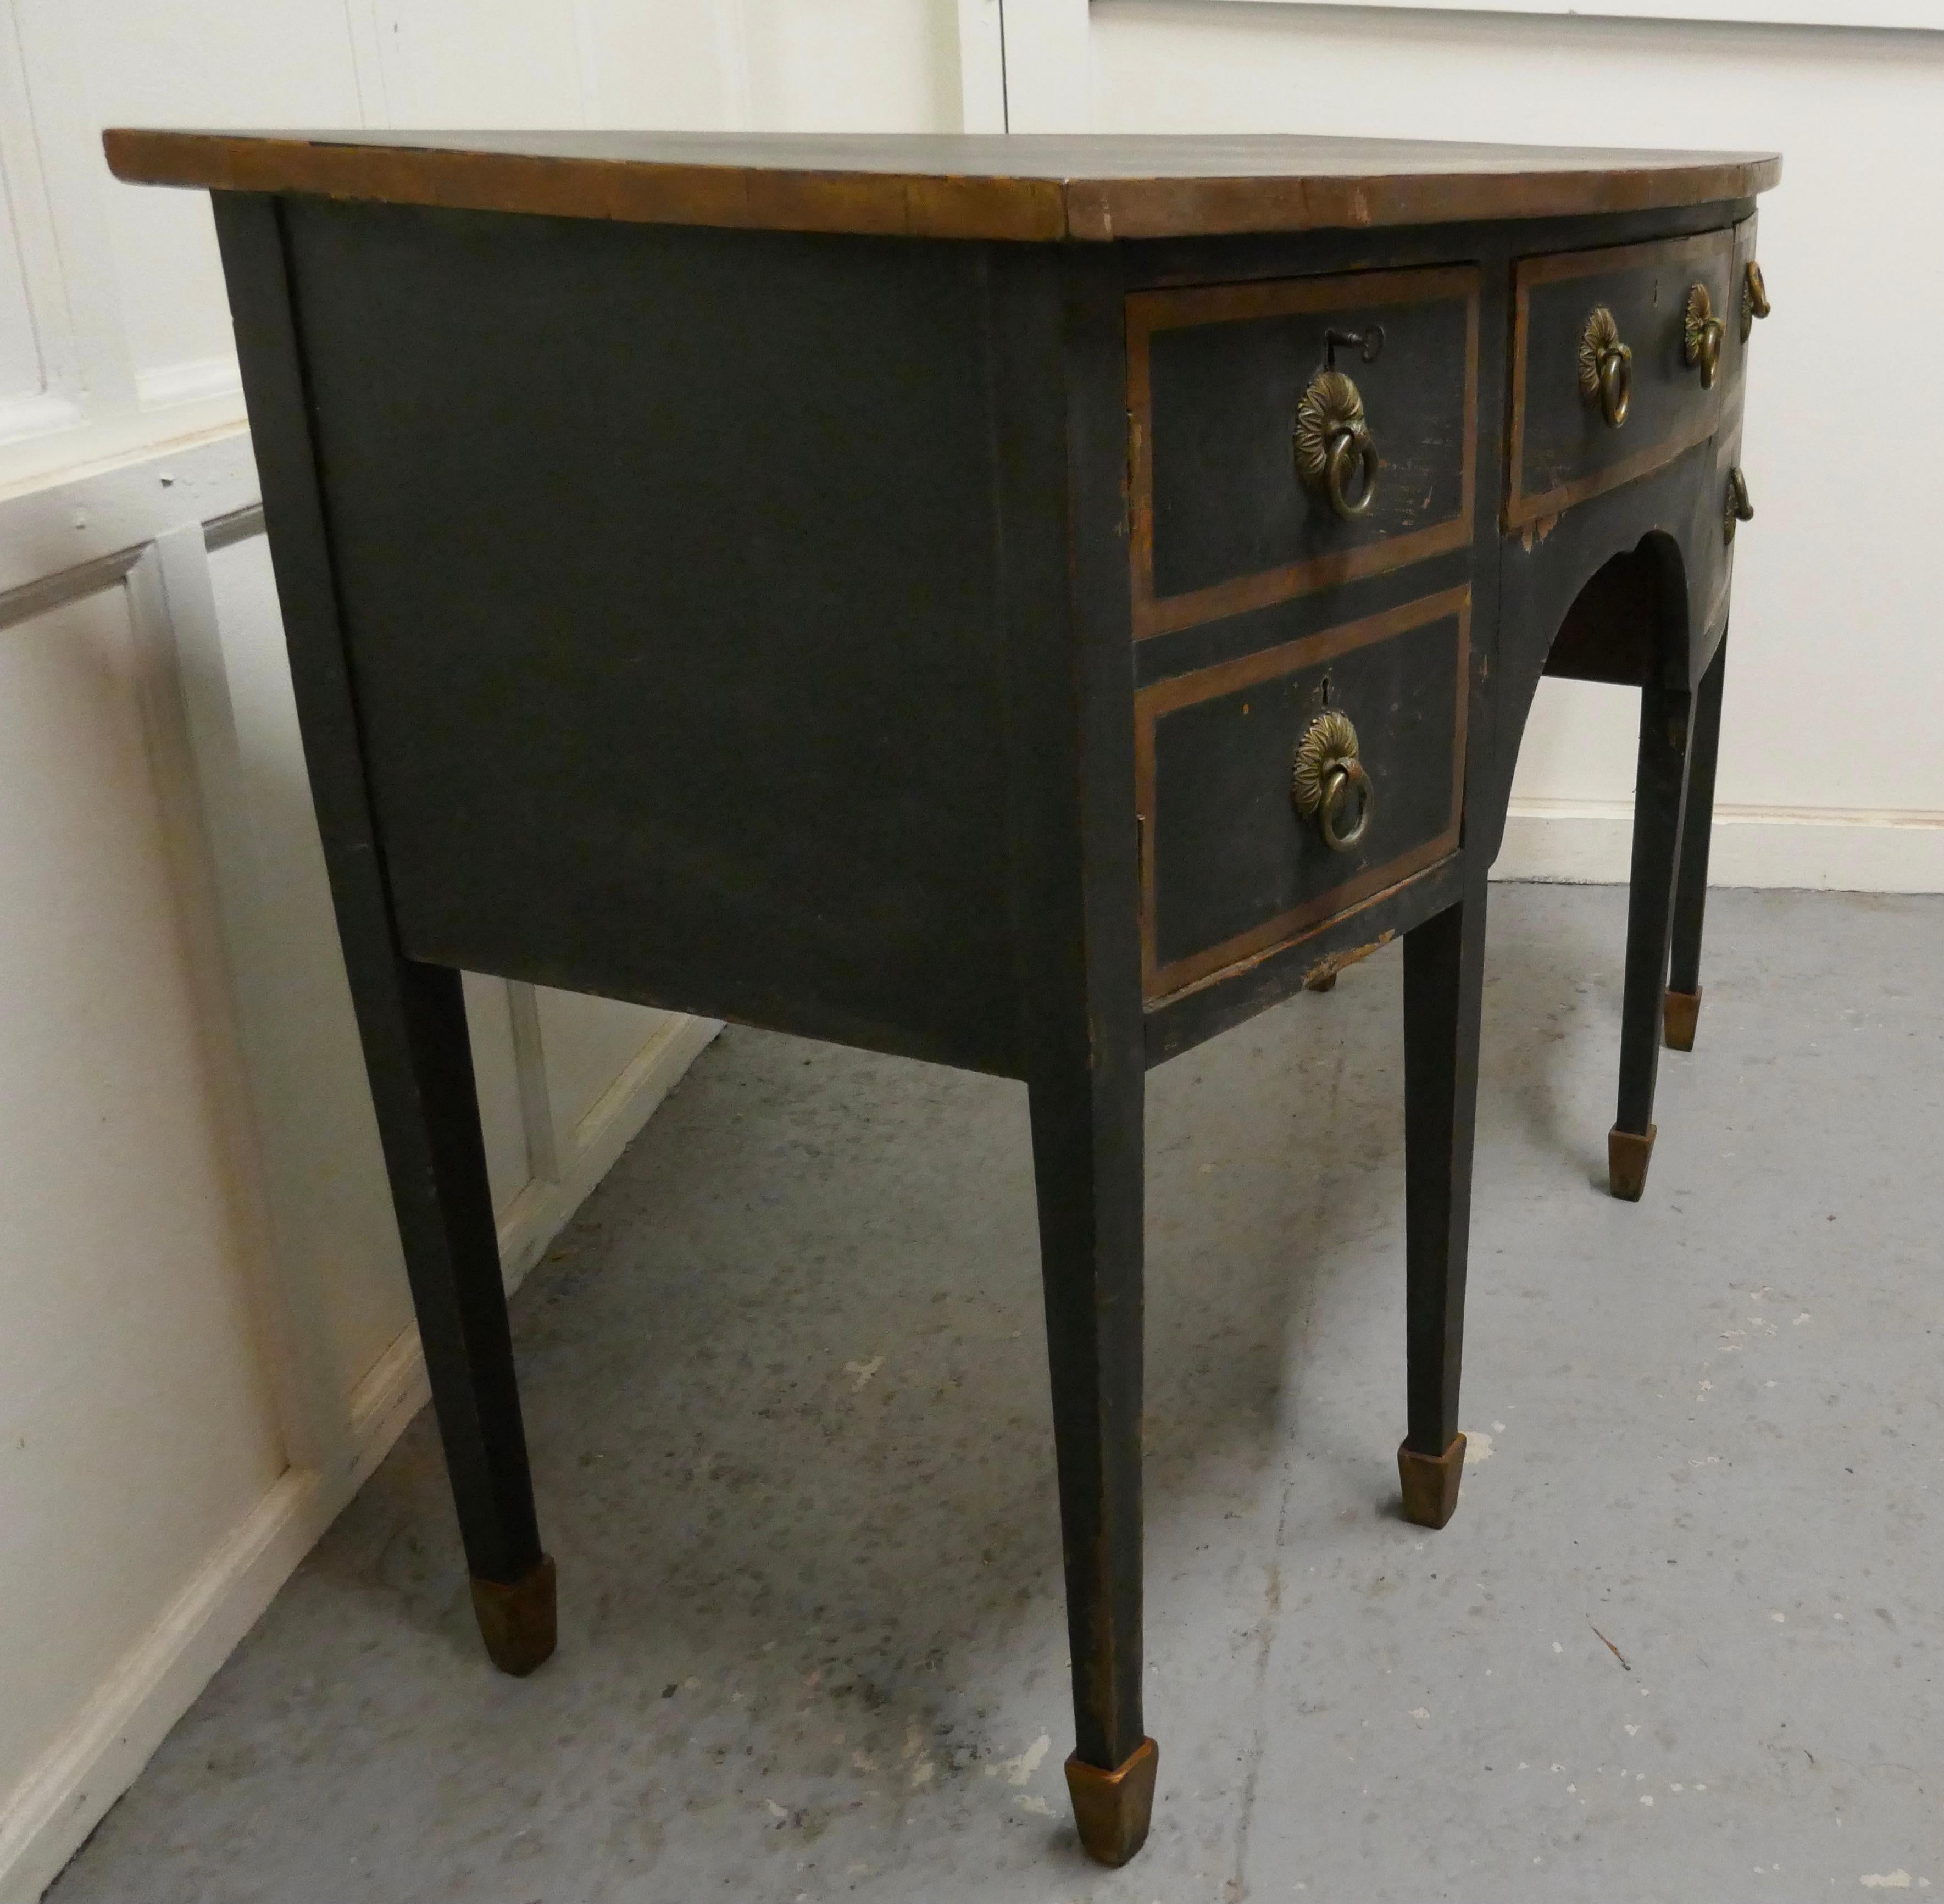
column 1025, row 604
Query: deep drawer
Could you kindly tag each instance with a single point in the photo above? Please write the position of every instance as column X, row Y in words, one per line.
column 1229, row 868
column 1222, row 520
column 1563, row 448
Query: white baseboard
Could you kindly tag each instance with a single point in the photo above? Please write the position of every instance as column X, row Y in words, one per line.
column 45, row 1820
column 169, row 384
column 394, row 1389
column 63, row 1799
column 1590, row 842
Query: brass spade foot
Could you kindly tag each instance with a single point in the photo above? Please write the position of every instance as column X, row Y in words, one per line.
column 1430, row 1482
column 1112, row 1809
column 1678, row 1013
column 1628, row 1154
column 517, row 1621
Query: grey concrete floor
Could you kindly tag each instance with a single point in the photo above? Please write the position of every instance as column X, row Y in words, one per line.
column 787, row 1395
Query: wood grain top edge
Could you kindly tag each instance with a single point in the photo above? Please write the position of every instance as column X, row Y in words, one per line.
column 909, row 205
column 1101, row 209
column 630, row 192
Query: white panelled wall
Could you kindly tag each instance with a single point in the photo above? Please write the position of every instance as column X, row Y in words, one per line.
column 204, row 1334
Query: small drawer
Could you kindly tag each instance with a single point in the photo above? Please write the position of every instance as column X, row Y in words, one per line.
column 1224, row 520
column 1231, row 867
column 1590, row 327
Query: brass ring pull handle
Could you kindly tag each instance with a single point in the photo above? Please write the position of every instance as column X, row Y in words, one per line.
column 1701, row 334
column 1346, row 448
column 1738, row 508
column 1332, row 441
column 1754, row 298
column 1606, row 368
column 1347, row 778
column 1616, row 386
column 1330, row 785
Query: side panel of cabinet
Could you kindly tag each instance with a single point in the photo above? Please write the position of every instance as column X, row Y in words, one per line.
column 677, row 658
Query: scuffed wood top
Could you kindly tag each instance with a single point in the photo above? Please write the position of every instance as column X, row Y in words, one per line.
column 990, row 186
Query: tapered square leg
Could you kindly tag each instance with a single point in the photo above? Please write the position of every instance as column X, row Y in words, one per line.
column 1683, row 1009
column 438, row 1162
column 1112, row 1810
column 1443, row 977
column 1660, row 788
column 1060, row 425
column 411, row 1017
column 1088, row 1172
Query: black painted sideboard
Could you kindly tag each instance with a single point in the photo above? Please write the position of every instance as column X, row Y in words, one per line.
column 1027, row 604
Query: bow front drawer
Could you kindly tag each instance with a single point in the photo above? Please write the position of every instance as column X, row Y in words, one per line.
column 1289, row 435
column 1280, row 791
column 1619, row 358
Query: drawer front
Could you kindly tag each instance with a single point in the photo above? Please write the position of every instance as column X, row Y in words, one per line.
column 1563, row 450
column 1222, row 520
column 1230, row 868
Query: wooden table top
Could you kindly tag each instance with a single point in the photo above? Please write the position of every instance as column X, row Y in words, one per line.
column 1094, row 187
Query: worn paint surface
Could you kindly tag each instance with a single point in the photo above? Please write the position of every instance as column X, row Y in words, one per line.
column 1324, row 971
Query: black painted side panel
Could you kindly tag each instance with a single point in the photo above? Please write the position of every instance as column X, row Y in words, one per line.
column 669, row 583
column 1227, row 501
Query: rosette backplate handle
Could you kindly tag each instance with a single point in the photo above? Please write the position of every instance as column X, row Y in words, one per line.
column 1336, row 455
column 1329, row 784
column 1701, row 335
column 1735, row 507
column 1754, row 298
column 1606, row 367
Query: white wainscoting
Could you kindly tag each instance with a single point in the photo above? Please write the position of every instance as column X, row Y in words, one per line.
column 184, row 1113
column 164, row 863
